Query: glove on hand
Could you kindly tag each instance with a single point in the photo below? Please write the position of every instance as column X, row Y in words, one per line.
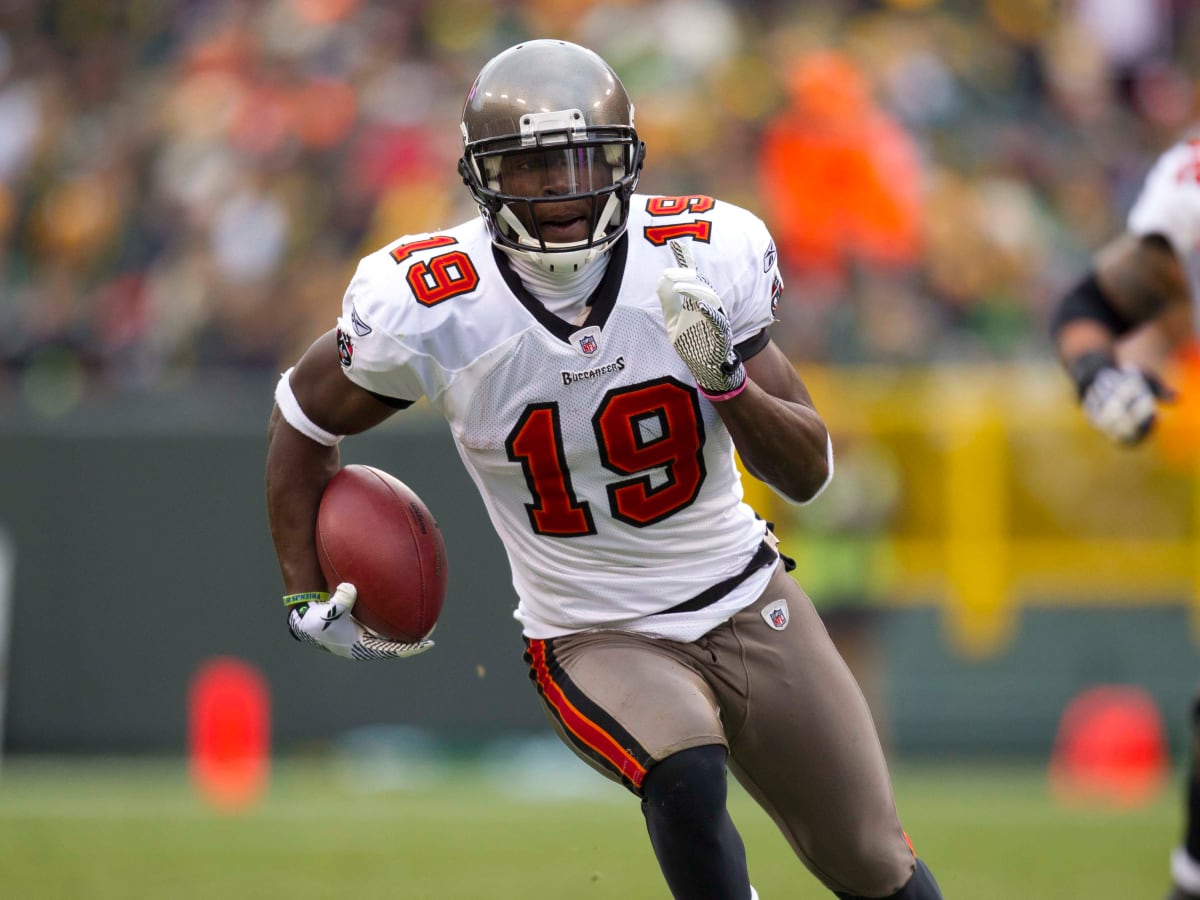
column 699, row 329
column 1120, row 401
column 328, row 625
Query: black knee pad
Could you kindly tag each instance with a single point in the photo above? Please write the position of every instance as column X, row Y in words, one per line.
column 690, row 783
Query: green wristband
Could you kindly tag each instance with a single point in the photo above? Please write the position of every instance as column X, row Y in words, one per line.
column 290, row 600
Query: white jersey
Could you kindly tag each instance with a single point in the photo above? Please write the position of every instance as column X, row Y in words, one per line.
column 1169, row 205
column 610, row 480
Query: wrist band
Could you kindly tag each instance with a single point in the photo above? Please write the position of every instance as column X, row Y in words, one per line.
column 728, row 395
column 1084, row 368
column 291, row 600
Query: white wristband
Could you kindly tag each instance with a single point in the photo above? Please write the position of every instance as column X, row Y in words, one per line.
column 296, row 417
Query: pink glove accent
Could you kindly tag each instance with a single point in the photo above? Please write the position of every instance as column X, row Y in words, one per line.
column 728, row 395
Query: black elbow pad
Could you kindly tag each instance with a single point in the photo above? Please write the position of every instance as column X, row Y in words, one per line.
column 1087, row 300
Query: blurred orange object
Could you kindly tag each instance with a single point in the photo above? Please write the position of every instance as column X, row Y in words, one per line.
column 229, row 733
column 1179, row 420
column 840, row 179
column 1110, row 750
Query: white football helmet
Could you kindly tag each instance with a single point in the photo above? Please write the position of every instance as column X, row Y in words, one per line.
column 550, row 153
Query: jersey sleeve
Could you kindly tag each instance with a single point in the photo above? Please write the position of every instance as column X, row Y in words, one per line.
column 752, row 297
column 1169, row 203
column 375, row 350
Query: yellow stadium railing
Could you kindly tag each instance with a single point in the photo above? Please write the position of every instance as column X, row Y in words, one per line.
column 982, row 491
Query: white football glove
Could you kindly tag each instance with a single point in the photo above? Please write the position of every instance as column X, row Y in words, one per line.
column 1121, row 402
column 699, row 329
column 328, row 624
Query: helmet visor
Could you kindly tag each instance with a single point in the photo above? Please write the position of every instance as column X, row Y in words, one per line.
column 555, row 171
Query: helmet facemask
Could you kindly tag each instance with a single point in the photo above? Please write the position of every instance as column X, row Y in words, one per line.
column 558, row 192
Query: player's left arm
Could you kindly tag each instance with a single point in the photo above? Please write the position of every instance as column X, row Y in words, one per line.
column 1135, row 279
column 780, row 437
column 778, row 433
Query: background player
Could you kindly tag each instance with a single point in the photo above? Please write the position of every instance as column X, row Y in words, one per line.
column 1147, row 274
column 599, row 356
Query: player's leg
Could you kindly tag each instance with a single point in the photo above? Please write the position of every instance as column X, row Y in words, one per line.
column 697, row 846
column 1185, row 860
column 803, row 744
column 921, row 886
column 637, row 710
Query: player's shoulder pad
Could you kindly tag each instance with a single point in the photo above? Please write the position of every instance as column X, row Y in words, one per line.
column 1169, row 201
column 1179, row 164
column 403, row 286
column 721, row 232
column 740, row 233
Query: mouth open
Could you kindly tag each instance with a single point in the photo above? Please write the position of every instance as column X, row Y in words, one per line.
column 564, row 229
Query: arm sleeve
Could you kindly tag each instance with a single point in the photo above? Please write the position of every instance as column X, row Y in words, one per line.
column 755, row 281
column 375, row 351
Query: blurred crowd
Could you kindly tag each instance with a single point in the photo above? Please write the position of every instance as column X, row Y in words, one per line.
column 187, row 185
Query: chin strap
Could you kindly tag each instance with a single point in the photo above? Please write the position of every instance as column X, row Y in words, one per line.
column 569, row 258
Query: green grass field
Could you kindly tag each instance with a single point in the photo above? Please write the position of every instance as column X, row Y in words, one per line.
column 125, row 831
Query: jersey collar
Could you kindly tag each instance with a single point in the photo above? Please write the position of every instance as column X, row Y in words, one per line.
column 602, row 300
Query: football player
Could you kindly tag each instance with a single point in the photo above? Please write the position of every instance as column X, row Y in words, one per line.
column 600, row 355
column 1146, row 274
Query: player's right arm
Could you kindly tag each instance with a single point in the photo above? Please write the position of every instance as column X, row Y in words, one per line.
column 1138, row 278
column 300, row 464
column 316, row 404
column 1135, row 279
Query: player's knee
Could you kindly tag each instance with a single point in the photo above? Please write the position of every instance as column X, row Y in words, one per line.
column 920, row 886
column 687, row 787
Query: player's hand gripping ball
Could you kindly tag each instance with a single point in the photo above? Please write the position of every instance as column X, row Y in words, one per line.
column 328, row 625
column 374, row 532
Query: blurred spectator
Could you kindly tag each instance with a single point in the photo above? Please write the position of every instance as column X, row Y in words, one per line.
column 842, row 190
column 840, row 178
column 185, row 186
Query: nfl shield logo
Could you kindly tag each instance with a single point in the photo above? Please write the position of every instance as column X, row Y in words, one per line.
column 587, row 344
column 776, row 615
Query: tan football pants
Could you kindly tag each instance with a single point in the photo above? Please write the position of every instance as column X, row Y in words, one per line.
column 800, row 736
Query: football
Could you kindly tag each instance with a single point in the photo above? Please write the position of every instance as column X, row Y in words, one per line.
column 375, row 532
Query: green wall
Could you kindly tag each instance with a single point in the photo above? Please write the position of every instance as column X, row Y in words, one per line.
column 143, row 551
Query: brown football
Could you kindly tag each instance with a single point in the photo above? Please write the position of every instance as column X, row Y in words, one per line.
column 375, row 532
